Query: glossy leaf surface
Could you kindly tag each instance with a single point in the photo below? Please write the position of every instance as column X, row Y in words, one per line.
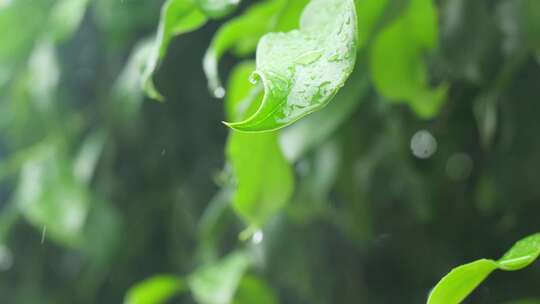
column 461, row 281
column 302, row 70
column 243, row 34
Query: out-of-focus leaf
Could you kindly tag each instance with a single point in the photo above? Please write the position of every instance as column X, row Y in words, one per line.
column 253, row 290
column 66, row 17
column 217, row 8
column 52, row 199
column 398, row 68
column 243, row 33
column 369, row 11
column 90, row 151
column 217, row 283
column 155, row 290
column 461, row 281
column 264, row 178
column 127, row 94
column 302, row 70
column 299, row 138
column 43, row 74
column 177, row 17
column 17, row 44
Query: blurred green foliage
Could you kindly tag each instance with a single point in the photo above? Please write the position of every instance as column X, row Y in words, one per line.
column 425, row 157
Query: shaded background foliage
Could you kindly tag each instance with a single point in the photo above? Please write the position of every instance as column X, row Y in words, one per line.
column 376, row 216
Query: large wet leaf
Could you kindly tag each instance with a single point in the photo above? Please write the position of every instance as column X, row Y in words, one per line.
column 397, row 62
column 243, row 34
column 302, row 70
column 461, row 281
column 264, row 179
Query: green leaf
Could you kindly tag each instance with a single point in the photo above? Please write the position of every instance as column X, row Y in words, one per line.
column 177, row 17
column 243, row 34
column 217, row 283
column 461, row 281
column 522, row 254
column 264, row 179
column 253, row 290
column 155, row 290
column 302, row 70
column 398, row 68
column 217, row 8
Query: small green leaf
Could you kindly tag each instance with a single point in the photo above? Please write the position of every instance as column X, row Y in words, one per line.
column 522, row 254
column 264, row 179
column 397, row 63
column 177, row 17
column 302, row 70
column 217, row 283
column 461, row 281
column 243, row 34
column 155, row 290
